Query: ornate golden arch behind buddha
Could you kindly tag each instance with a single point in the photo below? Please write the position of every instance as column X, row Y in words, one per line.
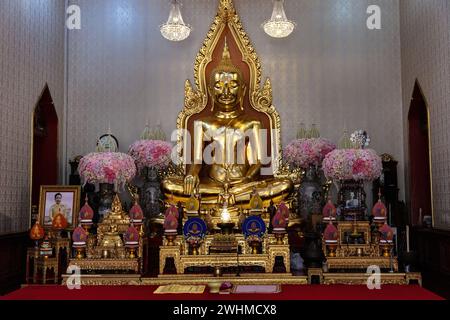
column 227, row 30
column 258, row 101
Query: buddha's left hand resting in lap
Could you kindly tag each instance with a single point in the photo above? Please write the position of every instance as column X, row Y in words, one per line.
column 227, row 147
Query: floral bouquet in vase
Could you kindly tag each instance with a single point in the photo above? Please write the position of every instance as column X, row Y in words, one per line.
column 151, row 154
column 352, row 167
column 107, row 168
column 303, row 153
column 308, row 154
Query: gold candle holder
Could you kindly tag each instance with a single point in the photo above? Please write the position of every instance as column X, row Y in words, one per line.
column 279, row 237
column 132, row 253
column 254, row 244
column 194, row 245
column 331, row 249
column 80, row 253
column 386, row 248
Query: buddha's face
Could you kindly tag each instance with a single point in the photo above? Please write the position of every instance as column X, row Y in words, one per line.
column 226, row 90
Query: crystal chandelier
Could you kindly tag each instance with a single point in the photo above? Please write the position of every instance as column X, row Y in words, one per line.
column 175, row 29
column 278, row 26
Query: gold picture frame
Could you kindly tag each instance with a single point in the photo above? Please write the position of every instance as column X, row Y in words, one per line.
column 69, row 197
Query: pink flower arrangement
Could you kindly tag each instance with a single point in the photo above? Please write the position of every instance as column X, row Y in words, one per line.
column 352, row 164
column 107, row 167
column 304, row 153
column 151, row 153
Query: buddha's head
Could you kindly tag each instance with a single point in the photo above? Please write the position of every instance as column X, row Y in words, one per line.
column 226, row 86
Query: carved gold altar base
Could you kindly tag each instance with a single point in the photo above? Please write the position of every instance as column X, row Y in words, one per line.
column 255, row 279
column 266, row 259
column 131, row 265
column 361, row 278
column 362, row 263
column 135, row 280
column 106, row 279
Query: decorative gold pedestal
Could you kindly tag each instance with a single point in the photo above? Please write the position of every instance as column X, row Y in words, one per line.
column 315, row 272
column 32, row 256
column 43, row 264
column 107, row 264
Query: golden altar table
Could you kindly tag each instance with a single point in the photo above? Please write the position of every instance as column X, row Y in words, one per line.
column 361, row 255
column 266, row 259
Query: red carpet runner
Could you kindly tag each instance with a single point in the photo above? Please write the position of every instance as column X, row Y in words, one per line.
column 289, row 292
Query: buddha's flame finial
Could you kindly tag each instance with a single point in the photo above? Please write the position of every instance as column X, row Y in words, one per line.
column 226, row 52
column 116, row 205
column 226, row 64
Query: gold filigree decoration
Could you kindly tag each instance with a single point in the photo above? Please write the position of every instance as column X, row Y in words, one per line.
column 192, row 97
column 262, row 99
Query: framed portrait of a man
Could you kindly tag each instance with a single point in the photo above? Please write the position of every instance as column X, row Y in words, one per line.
column 56, row 200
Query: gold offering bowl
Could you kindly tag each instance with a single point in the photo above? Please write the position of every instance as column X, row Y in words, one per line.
column 214, row 287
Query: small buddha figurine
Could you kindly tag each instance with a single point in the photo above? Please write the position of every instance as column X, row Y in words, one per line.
column 192, row 205
column 256, row 203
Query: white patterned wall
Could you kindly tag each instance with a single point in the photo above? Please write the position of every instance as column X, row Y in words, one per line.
column 425, row 40
column 31, row 54
column 332, row 71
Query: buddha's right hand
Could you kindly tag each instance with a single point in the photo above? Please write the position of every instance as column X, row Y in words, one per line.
column 190, row 183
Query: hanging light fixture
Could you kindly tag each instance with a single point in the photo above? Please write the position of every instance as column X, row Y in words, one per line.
column 175, row 29
column 278, row 26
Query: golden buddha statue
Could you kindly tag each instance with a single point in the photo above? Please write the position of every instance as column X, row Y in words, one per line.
column 229, row 173
column 193, row 204
column 109, row 231
column 111, row 238
column 256, row 202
